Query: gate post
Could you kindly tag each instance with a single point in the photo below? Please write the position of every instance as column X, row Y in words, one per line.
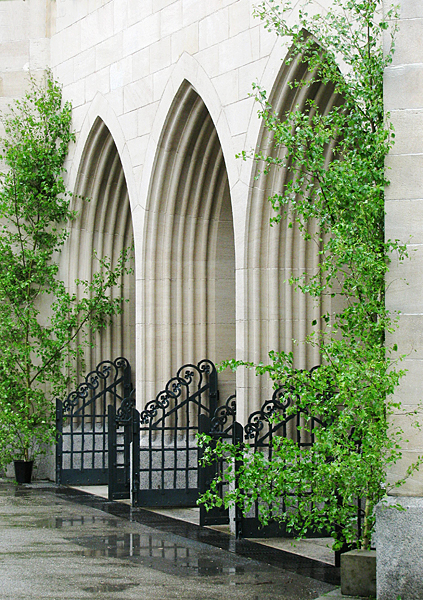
column 111, row 450
column 214, row 391
column 59, row 440
column 135, row 463
column 237, row 439
column 205, row 472
column 127, row 382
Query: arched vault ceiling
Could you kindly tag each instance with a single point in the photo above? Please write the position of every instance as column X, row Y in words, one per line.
column 277, row 313
column 103, row 228
column 189, row 291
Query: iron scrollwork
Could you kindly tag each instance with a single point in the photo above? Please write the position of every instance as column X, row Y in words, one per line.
column 222, row 414
column 92, row 382
column 161, row 402
column 172, row 391
column 124, row 412
column 282, row 398
column 185, row 377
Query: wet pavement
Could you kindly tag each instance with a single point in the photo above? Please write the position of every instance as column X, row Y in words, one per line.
column 57, row 543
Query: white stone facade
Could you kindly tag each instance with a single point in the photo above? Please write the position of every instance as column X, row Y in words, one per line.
column 160, row 90
column 404, row 212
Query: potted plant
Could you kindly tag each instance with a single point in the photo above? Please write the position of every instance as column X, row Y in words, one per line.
column 26, row 431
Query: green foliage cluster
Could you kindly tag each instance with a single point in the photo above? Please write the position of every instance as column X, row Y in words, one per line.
column 42, row 325
column 335, row 158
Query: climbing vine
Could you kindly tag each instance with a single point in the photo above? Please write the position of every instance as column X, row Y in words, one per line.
column 352, row 390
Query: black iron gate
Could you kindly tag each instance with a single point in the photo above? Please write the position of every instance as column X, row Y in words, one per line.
column 120, row 439
column 81, row 420
column 221, row 426
column 165, row 449
column 277, row 417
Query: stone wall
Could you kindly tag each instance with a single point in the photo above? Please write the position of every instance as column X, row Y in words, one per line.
column 399, row 536
column 404, row 217
column 166, row 79
column 25, row 32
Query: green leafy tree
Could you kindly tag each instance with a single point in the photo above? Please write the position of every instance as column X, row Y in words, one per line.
column 43, row 327
column 352, row 390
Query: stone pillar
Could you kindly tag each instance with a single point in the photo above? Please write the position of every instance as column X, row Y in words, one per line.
column 399, row 536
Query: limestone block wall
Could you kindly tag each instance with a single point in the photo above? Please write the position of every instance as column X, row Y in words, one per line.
column 25, row 32
column 399, row 535
column 170, row 80
column 404, row 217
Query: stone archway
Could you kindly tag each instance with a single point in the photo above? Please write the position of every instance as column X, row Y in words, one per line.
column 189, row 287
column 278, row 314
column 103, row 227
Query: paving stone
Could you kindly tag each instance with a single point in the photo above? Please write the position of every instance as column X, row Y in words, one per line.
column 57, row 543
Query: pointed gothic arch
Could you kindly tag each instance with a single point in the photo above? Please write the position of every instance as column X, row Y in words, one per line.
column 277, row 314
column 189, row 283
column 103, row 227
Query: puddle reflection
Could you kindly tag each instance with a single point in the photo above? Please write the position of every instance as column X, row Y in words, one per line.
column 150, row 549
column 102, row 588
column 154, row 552
column 64, row 522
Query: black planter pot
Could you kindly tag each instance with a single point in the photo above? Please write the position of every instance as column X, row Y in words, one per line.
column 23, row 470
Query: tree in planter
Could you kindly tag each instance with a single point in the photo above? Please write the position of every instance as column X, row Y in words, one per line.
column 43, row 327
column 352, row 391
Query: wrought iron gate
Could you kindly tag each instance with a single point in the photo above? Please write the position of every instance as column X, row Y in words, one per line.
column 81, row 420
column 222, row 426
column 165, row 449
column 120, row 439
column 263, row 426
column 276, row 418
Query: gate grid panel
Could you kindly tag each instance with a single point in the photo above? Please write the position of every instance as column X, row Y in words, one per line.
column 222, row 426
column 274, row 420
column 165, row 449
column 82, row 432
